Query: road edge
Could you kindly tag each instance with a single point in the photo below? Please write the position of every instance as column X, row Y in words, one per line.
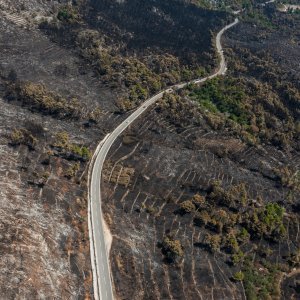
column 90, row 224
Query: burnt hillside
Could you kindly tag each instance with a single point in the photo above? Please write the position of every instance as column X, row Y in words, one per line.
column 166, row 26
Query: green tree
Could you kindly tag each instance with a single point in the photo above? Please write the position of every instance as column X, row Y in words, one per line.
column 239, row 276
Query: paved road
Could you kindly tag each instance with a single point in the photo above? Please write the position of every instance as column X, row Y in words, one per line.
column 99, row 256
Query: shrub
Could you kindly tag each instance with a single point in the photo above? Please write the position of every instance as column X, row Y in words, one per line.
column 243, row 236
column 72, row 151
column 237, row 257
column 202, row 218
column 67, row 14
column 272, row 219
column 232, row 198
column 45, row 175
column 266, row 221
column 187, row 206
column 213, row 242
column 83, row 151
column 272, row 214
column 16, row 137
column 289, row 178
column 198, row 200
column 38, row 98
column 62, row 139
column 221, row 215
column 23, row 136
column 231, row 243
column 95, row 115
column 172, row 248
column 239, row 276
column 72, row 170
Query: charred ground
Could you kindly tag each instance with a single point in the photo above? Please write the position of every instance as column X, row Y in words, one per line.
column 202, row 194
column 69, row 74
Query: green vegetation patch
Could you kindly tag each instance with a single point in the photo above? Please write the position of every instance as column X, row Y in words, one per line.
column 70, row 150
column 225, row 96
column 257, row 17
column 272, row 215
column 266, row 221
column 72, row 170
column 67, row 14
column 260, row 282
column 23, row 136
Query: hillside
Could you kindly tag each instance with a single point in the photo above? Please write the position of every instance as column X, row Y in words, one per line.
column 68, row 75
column 201, row 194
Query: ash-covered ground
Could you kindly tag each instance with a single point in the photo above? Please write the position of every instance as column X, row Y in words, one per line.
column 57, row 103
column 201, row 194
column 187, row 147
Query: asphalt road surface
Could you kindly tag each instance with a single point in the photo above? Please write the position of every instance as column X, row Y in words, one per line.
column 99, row 254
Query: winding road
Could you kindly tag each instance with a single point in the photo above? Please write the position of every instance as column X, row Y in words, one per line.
column 99, row 255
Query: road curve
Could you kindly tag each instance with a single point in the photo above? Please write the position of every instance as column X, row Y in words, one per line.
column 99, row 255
